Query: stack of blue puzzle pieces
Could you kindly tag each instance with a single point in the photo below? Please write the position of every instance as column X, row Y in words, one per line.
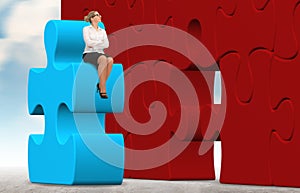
column 74, row 148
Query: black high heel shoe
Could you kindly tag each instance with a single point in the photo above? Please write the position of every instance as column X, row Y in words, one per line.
column 103, row 95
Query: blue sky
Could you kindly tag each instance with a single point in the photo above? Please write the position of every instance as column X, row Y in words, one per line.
column 21, row 48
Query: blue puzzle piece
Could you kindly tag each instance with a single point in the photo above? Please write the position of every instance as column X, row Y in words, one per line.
column 74, row 148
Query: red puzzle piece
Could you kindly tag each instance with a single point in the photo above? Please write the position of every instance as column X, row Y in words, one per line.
column 149, row 136
column 285, row 141
column 187, row 165
column 243, row 32
column 246, row 131
column 285, row 42
column 197, row 18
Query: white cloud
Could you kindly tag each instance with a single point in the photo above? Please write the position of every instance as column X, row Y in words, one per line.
column 24, row 29
column 29, row 18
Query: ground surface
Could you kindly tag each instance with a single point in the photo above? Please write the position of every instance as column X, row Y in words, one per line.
column 16, row 180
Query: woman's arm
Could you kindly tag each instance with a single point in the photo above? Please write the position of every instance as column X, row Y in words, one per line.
column 104, row 43
column 87, row 39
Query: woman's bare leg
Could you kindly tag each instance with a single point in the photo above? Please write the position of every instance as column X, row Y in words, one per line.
column 102, row 73
column 110, row 62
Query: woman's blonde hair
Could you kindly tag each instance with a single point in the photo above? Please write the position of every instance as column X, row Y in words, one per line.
column 88, row 17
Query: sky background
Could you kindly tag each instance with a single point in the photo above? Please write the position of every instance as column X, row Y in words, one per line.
column 22, row 25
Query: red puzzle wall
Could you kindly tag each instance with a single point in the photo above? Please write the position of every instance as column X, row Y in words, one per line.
column 255, row 44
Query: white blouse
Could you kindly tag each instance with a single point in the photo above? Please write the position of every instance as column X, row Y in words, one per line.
column 95, row 40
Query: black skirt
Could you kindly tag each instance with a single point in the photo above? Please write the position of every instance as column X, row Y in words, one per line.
column 92, row 58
